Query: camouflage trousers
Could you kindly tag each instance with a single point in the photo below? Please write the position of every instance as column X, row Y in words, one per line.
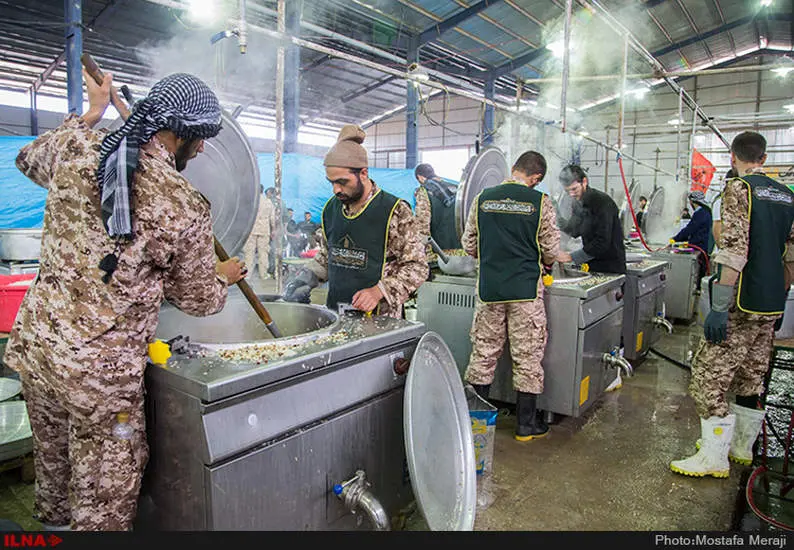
column 85, row 476
column 257, row 248
column 737, row 365
column 524, row 325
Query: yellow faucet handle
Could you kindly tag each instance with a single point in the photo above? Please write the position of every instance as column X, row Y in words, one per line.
column 159, row 352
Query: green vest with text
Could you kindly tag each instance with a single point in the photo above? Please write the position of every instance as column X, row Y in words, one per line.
column 508, row 220
column 356, row 246
column 771, row 213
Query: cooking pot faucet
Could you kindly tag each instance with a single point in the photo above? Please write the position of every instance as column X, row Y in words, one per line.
column 356, row 494
column 614, row 359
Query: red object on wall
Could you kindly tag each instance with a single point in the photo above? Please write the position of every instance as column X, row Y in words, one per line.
column 702, row 172
column 12, row 290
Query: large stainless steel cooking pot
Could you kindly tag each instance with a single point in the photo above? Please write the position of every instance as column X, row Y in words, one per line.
column 227, row 174
column 20, row 244
column 237, row 324
column 457, row 264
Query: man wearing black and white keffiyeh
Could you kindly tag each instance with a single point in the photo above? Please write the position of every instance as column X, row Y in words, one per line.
column 123, row 231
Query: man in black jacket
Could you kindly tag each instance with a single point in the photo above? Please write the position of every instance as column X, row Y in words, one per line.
column 596, row 219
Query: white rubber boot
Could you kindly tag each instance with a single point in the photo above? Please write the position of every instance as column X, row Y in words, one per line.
column 712, row 457
column 748, row 426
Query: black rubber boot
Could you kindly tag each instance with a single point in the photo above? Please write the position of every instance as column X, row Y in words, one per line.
column 482, row 390
column 530, row 425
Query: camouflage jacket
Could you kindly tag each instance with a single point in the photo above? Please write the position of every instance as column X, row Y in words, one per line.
column 422, row 214
column 422, row 211
column 265, row 223
column 69, row 307
column 548, row 235
column 406, row 261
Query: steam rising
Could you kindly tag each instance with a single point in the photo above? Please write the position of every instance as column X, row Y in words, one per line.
column 235, row 77
column 596, row 49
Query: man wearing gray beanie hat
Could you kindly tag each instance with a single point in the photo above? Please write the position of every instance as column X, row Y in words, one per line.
column 371, row 252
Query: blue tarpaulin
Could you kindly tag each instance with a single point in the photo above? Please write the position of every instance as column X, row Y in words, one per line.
column 21, row 200
column 304, row 187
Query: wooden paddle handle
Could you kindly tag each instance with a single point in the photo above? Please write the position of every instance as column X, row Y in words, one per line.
column 248, row 292
column 96, row 73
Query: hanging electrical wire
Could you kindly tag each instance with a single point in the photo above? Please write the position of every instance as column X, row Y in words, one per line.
column 637, row 225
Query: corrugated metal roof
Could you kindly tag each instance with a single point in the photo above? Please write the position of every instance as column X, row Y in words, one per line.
column 31, row 37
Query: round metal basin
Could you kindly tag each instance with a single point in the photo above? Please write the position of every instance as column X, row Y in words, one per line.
column 16, row 438
column 238, row 324
column 566, row 275
column 457, row 265
column 20, row 244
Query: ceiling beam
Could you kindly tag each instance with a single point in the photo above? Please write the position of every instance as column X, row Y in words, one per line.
column 106, row 11
column 518, row 62
column 437, row 29
column 532, row 55
column 718, row 30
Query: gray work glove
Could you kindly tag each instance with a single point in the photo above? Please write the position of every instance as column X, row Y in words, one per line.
column 299, row 288
column 715, row 328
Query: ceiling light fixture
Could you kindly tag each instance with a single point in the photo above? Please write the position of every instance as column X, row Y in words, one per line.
column 557, row 48
column 419, row 72
column 640, row 92
column 203, row 12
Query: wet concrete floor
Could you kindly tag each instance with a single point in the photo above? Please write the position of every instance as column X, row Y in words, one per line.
column 609, row 469
column 605, row 471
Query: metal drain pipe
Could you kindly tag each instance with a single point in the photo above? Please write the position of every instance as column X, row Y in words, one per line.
column 356, row 495
column 659, row 320
column 614, row 360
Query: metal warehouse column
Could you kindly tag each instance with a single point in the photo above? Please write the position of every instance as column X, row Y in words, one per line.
column 412, row 106
column 488, row 120
column 292, row 75
column 73, row 12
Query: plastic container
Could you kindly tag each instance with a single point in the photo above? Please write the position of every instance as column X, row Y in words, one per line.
column 122, row 428
column 12, row 290
column 483, row 427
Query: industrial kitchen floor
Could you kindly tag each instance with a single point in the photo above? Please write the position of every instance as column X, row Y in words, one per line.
column 605, row 471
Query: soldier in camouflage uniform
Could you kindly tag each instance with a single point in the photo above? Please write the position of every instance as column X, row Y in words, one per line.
column 748, row 295
column 79, row 341
column 370, row 250
column 435, row 208
column 258, row 244
column 512, row 228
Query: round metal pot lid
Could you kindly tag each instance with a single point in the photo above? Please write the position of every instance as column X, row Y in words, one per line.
column 654, row 215
column 438, row 438
column 9, row 388
column 636, row 257
column 228, row 175
column 625, row 212
column 486, row 169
